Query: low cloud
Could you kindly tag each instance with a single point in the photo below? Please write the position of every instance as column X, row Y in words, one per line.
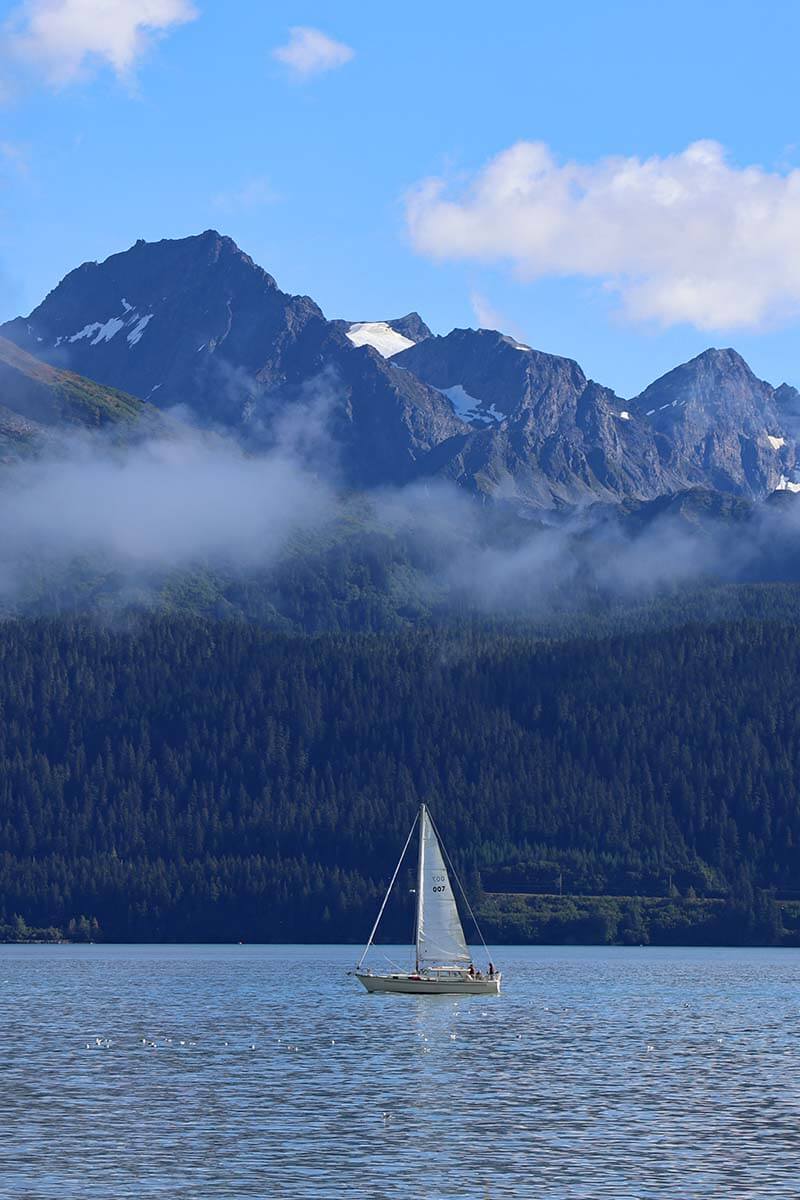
column 162, row 505
column 176, row 499
column 311, row 52
column 64, row 39
column 98, row 524
column 483, row 559
column 686, row 237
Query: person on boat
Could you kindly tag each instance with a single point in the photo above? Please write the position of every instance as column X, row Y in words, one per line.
column 471, row 971
column 491, row 970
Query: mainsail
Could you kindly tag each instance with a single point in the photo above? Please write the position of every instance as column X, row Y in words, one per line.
column 440, row 938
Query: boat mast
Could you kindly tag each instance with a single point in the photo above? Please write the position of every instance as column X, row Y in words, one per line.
column 420, row 869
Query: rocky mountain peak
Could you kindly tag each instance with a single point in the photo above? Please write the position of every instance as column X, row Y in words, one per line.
column 716, row 381
column 723, row 420
column 151, row 319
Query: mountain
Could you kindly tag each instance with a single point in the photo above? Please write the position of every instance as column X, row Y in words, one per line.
column 722, row 423
column 151, row 319
column 543, row 432
column 195, row 323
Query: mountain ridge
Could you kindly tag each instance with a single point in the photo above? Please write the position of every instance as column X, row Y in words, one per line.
column 195, row 324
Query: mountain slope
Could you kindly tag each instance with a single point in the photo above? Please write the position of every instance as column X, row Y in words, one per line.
column 34, row 394
column 17, row 434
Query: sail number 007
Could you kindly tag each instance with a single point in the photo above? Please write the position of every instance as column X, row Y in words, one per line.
column 439, row 882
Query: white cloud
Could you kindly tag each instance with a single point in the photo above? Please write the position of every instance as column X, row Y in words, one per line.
column 62, row 38
column 683, row 238
column 310, row 52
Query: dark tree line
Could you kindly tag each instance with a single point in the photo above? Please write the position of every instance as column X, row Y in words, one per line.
column 185, row 779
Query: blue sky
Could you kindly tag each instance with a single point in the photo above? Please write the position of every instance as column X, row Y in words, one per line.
column 206, row 128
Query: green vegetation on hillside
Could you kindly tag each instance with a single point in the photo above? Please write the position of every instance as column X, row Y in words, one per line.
column 191, row 780
column 52, row 396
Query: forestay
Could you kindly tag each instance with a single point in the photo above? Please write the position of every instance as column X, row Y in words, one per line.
column 440, row 938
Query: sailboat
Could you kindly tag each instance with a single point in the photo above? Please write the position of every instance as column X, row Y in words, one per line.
column 443, row 964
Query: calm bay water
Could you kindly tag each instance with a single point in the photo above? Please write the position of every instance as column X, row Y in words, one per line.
column 207, row 1071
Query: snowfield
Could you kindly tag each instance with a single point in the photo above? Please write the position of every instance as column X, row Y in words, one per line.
column 380, row 336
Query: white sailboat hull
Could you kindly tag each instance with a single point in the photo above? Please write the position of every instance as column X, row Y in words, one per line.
column 430, row 986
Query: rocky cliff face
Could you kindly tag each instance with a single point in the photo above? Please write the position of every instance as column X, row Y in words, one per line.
column 196, row 325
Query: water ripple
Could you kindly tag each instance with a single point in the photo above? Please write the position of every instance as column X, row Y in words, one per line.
column 234, row 1072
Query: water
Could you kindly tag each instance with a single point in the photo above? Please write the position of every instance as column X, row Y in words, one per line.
column 202, row 1072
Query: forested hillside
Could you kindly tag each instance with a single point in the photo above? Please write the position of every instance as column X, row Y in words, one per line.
column 184, row 779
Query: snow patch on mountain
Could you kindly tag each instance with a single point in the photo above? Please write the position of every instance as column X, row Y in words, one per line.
column 776, row 442
column 380, row 336
column 468, row 408
column 103, row 332
column 138, row 329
